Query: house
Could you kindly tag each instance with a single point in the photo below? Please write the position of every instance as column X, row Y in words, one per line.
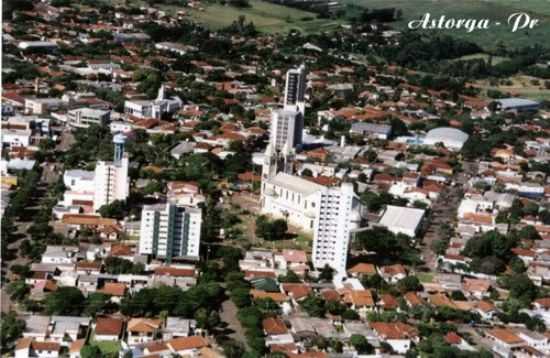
column 362, row 269
column 28, row 347
column 60, row 254
column 504, row 341
column 75, row 347
column 36, row 327
column 486, row 310
column 108, row 329
column 187, row 346
column 477, row 288
column 274, row 326
column 393, row 273
column 176, row 327
column 398, row 335
column 359, row 300
column 142, row 330
column 67, row 329
column 536, row 340
column 295, row 260
column 116, row 290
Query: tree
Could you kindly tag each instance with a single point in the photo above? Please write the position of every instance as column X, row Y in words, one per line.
column 18, row 290
column 398, row 127
column 11, row 329
column 116, row 266
column 290, row 277
column 314, row 306
column 89, row 351
column 241, row 297
column 271, row 230
column 327, row 273
column 115, row 210
column 361, row 345
column 65, row 301
column 521, row 288
column 409, row 283
column 96, row 302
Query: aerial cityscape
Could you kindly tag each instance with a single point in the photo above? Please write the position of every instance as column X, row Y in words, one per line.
column 269, row 178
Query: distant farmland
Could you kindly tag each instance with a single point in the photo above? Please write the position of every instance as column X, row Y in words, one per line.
column 267, row 17
column 495, row 10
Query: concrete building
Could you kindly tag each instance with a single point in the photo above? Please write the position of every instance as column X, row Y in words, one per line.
column 153, row 109
column 339, row 213
column 286, row 130
column 514, row 105
column 402, row 220
column 84, row 117
column 169, row 230
column 111, row 180
column 295, row 89
column 451, row 138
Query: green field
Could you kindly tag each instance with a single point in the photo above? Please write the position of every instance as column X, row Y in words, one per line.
column 267, row 17
column 495, row 10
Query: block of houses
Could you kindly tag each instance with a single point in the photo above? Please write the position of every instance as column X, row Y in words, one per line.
column 400, row 336
column 29, row 347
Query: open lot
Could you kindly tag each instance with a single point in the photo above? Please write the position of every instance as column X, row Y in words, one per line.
column 494, row 10
column 267, row 17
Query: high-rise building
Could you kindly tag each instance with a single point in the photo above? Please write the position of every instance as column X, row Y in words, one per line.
column 339, row 213
column 111, row 180
column 286, row 130
column 295, row 89
column 170, row 230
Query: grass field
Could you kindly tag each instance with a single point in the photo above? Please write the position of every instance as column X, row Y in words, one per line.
column 107, row 347
column 521, row 85
column 267, row 17
column 495, row 10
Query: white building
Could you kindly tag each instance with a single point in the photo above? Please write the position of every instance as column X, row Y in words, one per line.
column 78, row 179
column 339, row 213
column 292, row 198
column 295, row 89
column 111, row 178
column 84, row 117
column 153, row 109
column 169, row 230
column 286, row 130
column 402, row 220
column 451, row 138
column 16, row 137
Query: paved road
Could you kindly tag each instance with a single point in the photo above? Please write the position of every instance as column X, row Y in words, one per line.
column 444, row 212
column 229, row 316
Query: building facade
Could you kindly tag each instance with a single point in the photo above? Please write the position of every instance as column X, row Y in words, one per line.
column 170, row 230
column 339, row 213
column 111, row 180
column 295, row 89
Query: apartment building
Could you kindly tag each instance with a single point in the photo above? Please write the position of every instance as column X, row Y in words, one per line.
column 170, row 230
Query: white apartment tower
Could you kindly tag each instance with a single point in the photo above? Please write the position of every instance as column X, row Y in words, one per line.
column 170, row 230
column 339, row 213
column 286, row 130
column 295, row 89
column 111, row 180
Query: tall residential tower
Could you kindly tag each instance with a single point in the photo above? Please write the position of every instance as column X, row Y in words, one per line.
column 111, row 180
column 295, row 89
column 170, row 230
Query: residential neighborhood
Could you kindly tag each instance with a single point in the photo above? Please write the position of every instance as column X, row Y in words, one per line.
column 175, row 190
